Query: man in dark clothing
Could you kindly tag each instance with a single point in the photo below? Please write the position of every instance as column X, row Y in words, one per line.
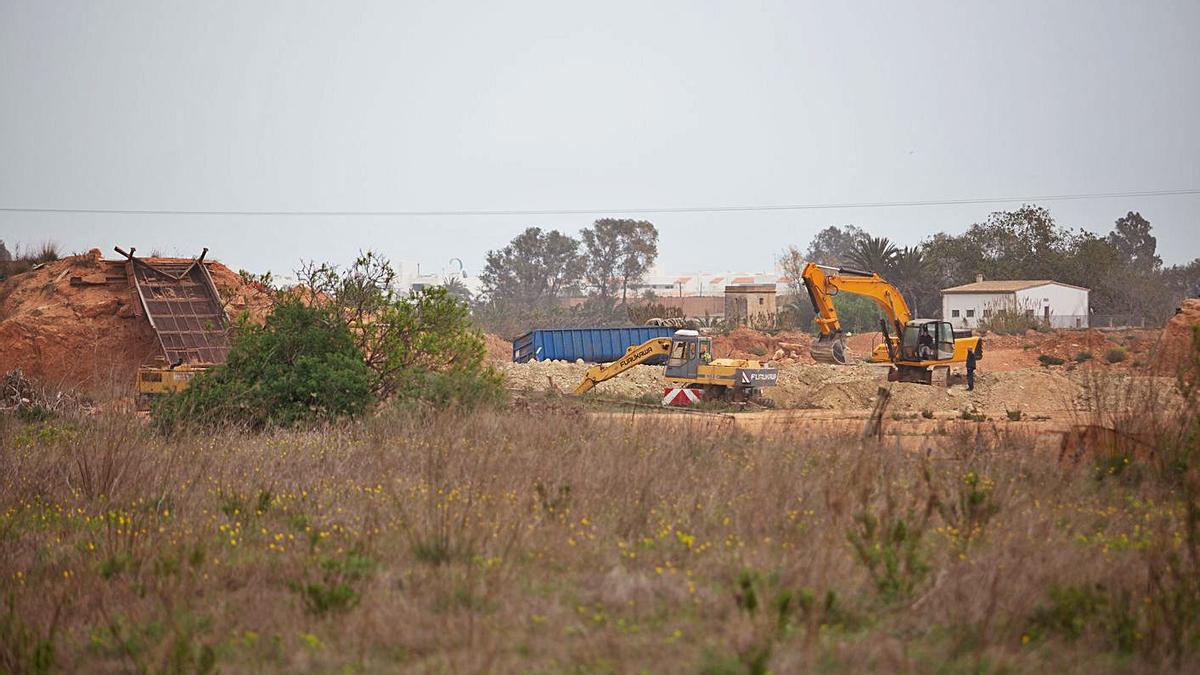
column 971, row 370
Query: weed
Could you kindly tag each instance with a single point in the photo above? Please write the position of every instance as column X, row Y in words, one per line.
column 1048, row 360
column 1115, row 354
column 1083, row 356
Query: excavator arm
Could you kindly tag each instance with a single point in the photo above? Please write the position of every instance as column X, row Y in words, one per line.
column 830, row 346
column 633, row 356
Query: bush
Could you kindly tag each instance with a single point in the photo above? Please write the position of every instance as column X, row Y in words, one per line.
column 424, row 340
column 1048, row 360
column 466, row 389
column 301, row 367
column 1012, row 322
column 1115, row 355
column 1083, row 356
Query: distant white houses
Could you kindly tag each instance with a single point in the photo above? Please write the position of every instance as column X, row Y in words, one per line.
column 1060, row 305
column 705, row 283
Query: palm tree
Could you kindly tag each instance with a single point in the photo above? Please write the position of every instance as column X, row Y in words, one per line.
column 455, row 288
column 873, row 254
column 911, row 269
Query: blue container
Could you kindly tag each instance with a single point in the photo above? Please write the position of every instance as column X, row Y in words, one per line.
column 593, row 345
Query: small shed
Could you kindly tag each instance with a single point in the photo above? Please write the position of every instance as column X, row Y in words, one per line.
column 1057, row 304
column 751, row 305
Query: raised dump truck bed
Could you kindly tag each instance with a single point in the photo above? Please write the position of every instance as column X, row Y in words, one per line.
column 593, row 345
column 184, row 308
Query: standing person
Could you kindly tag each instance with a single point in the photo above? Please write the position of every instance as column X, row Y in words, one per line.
column 970, row 370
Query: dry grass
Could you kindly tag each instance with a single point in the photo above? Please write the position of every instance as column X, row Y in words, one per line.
column 551, row 542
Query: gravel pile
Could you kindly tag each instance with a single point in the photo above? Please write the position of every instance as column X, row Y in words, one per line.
column 538, row 375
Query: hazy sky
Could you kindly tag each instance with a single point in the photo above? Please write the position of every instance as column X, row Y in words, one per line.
column 354, row 106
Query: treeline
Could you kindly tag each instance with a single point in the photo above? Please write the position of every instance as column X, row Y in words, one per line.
column 526, row 283
column 1127, row 278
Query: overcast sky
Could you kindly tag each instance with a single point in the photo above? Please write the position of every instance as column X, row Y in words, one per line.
column 433, row 106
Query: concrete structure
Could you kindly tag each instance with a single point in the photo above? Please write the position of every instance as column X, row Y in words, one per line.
column 751, row 305
column 1058, row 304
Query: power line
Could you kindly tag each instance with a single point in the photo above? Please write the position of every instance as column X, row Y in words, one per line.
column 665, row 209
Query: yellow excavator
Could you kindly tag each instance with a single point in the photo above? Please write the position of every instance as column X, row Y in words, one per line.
column 690, row 365
column 916, row 348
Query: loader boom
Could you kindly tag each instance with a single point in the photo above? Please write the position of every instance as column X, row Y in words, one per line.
column 633, row 356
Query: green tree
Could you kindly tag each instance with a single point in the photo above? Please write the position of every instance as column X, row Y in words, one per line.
column 404, row 340
column 534, row 268
column 873, row 254
column 619, row 253
column 832, row 246
column 911, row 273
column 456, row 289
column 300, row 367
column 1132, row 239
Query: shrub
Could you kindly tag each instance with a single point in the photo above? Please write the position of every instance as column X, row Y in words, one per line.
column 1048, row 360
column 47, row 252
column 466, row 389
column 1012, row 322
column 1083, row 356
column 301, row 366
column 1115, row 354
column 411, row 343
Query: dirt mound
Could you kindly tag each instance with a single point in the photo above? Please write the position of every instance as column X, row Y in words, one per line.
column 822, row 386
column 1176, row 341
column 1134, row 347
column 745, row 343
column 77, row 322
column 498, row 349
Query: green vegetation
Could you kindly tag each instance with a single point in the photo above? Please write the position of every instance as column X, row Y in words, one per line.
column 1050, row 360
column 1083, row 356
column 301, row 367
column 334, row 349
column 1115, row 354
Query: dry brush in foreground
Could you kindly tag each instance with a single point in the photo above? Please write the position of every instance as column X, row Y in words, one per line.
column 528, row 542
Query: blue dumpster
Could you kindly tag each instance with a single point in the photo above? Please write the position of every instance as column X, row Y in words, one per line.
column 593, row 345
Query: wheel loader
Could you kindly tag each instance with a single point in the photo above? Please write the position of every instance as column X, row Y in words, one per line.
column 917, row 349
column 691, row 365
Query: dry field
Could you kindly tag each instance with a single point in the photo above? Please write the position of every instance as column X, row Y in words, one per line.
column 547, row 541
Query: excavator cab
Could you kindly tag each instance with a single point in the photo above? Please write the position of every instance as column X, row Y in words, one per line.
column 688, row 351
column 927, row 340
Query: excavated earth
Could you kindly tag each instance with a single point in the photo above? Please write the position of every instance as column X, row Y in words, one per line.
column 73, row 323
column 853, row 387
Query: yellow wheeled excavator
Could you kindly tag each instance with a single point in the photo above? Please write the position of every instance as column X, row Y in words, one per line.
column 690, row 365
column 916, row 348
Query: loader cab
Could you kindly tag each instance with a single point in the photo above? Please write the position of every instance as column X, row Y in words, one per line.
column 927, row 340
column 688, row 352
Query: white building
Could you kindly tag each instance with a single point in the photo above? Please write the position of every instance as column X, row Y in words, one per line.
column 1061, row 305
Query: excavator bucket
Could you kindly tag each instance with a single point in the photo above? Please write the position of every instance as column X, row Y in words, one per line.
column 829, row 348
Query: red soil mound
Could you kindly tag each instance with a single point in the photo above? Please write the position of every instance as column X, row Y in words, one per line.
column 1177, row 338
column 74, row 322
column 498, row 349
column 745, row 343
